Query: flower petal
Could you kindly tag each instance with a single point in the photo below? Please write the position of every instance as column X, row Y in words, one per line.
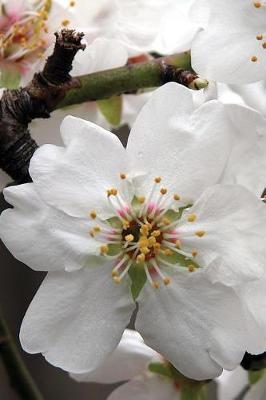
column 170, row 134
column 77, row 318
column 75, row 179
column 195, row 324
column 146, row 388
column 227, row 57
column 246, row 164
column 253, row 297
column 230, row 384
column 129, row 359
column 41, row 236
column 234, row 222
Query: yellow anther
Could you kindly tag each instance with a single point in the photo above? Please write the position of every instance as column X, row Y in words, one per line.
column 178, row 244
column 168, row 252
column 97, row 229
column 104, row 249
column 200, row 233
column 140, row 258
column 254, row 59
column 157, row 179
column 264, row 45
column 125, row 224
column 129, row 238
column 259, row 37
column 65, row 22
column 257, row 4
column 93, row 214
column 143, row 242
column 141, row 199
column 166, row 221
column 72, row 3
column 167, row 281
column 117, row 279
column 155, row 285
column 194, row 253
column 157, row 246
column 91, row 233
column 156, row 233
column 145, row 250
column 176, row 197
column 152, row 241
column 111, row 192
column 123, row 176
column 163, row 191
column 192, row 217
column 191, row 268
column 114, row 273
column 144, row 230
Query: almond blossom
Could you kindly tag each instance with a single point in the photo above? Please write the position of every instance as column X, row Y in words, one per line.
column 231, row 47
column 153, row 224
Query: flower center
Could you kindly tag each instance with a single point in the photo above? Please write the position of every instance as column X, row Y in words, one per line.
column 24, row 31
column 144, row 234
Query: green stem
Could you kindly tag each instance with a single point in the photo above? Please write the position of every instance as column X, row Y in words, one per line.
column 133, row 77
column 18, row 373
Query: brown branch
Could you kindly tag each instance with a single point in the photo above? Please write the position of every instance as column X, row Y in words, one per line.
column 19, row 107
column 54, row 88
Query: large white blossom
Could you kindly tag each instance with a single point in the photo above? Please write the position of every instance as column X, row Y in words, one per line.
column 231, row 47
column 154, row 222
column 130, row 362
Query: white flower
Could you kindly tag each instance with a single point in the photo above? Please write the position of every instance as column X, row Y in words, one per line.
column 232, row 46
column 130, row 362
column 150, row 219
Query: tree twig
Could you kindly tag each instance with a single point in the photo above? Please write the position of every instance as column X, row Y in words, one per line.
column 19, row 107
column 54, row 88
column 19, row 376
column 133, row 77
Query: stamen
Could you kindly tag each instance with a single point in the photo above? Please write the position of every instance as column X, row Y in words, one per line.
column 200, row 233
column 166, row 280
column 104, row 249
column 192, row 217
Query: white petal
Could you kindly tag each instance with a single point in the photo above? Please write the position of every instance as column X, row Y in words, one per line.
column 234, row 221
column 196, row 325
column 146, row 388
column 77, row 318
column 231, row 384
column 102, row 54
column 234, row 16
column 75, row 179
column 41, row 236
column 177, row 29
column 246, row 165
column 253, row 297
column 187, row 147
column 129, row 359
column 226, row 57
